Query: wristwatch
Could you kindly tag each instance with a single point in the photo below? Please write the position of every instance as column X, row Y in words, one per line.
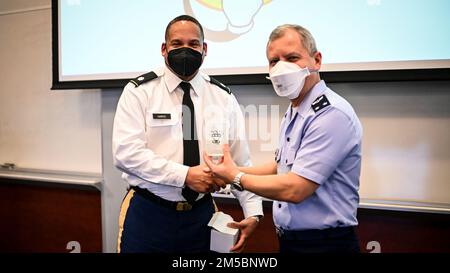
column 237, row 182
column 257, row 217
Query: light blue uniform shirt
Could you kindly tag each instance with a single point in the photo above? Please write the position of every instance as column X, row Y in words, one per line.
column 321, row 140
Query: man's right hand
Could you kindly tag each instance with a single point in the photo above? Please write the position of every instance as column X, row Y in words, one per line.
column 199, row 179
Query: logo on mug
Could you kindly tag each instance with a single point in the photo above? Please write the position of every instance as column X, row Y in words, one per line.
column 216, row 136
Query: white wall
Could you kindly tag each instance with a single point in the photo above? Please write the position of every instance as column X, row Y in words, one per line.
column 40, row 128
column 12, row 6
column 406, row 151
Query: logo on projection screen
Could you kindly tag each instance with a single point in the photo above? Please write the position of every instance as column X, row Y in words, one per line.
column 231, row 18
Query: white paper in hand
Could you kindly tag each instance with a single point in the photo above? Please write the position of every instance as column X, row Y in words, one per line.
column 219, row 222
column 222, row 237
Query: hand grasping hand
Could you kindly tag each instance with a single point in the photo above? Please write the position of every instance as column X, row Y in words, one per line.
column 226, row 170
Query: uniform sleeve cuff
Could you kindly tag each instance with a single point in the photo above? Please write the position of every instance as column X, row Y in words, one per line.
column 253, row 208
column 308, row 174
column 179, row 174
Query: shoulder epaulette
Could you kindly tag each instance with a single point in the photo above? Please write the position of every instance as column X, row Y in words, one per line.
column 320, row 103
column 144, row 78
column 219, row 84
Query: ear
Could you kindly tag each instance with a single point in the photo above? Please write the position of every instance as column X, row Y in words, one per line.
column 164, row 49
column 205, row 49
column 317, row 60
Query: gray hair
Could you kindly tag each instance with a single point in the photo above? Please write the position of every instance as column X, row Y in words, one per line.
column 306, row 37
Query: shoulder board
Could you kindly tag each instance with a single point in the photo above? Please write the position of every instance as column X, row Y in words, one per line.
column 320, row 103
column 219, row 84
column 144, row 78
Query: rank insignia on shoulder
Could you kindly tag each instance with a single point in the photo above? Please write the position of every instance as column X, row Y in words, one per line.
column 320, row 103
column 144, row 78
column 219, row 84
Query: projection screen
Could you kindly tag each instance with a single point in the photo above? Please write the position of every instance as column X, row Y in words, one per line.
column 103, row 43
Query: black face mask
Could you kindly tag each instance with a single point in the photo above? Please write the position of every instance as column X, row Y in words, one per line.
column 185, row 61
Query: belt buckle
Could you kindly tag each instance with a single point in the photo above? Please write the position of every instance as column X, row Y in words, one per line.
column 183, row 206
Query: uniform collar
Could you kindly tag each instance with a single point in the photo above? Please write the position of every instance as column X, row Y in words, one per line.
column 172, row 81
column 315, row 92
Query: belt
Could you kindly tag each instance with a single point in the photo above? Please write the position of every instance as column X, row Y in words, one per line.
column 314, row 234
column 178, row 206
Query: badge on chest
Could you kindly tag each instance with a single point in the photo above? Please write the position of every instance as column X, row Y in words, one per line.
column 162, row 116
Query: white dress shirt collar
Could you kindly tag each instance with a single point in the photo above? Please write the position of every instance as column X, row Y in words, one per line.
column 172, row 81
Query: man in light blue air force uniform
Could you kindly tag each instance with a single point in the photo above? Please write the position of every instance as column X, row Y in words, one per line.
column 315, row 174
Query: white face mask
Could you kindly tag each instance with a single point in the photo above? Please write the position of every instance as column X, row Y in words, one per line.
column 288, row 79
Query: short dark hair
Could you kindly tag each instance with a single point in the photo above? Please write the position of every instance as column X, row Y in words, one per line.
column 184, row 18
